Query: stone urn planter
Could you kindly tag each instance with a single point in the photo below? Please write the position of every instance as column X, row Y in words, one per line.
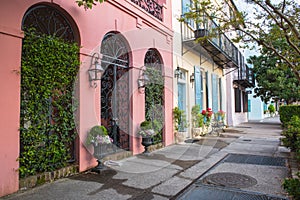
column 102, row 143
column 180, row 137
column 198, row 132
column 100, row 151
column 146, row 132
column 146, row 142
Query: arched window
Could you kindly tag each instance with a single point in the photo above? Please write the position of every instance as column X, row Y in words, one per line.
column 50, row 21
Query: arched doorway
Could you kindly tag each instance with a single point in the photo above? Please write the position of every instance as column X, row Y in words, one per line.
column 50, row 64
column 154, row 98
column 115, row 106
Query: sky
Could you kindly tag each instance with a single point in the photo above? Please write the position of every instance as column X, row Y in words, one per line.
column 248, row 8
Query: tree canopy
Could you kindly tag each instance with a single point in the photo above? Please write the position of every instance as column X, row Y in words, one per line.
column 274, row 80
column 257, row 26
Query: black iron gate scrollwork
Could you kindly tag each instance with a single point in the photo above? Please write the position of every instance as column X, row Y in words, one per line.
column 47, row 20
column 115, row 89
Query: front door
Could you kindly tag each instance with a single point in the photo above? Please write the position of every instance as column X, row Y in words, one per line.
column 181, row 96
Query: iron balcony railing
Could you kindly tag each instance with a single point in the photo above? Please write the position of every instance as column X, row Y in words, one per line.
column 152, row 7
column 216, row 42
column 244, row 76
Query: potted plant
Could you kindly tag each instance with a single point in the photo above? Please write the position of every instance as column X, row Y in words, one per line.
column 180, row 124
column 98, row 137
column 271, row 110
column 207, row 114
column 220, row 115
column 266, row 113
column 198, row 122
column 220, row 119
column 146, row 132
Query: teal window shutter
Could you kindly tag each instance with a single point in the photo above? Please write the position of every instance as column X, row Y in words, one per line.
column 215, row 99
column 249, row 105
column 265, row 106
column 198, row 87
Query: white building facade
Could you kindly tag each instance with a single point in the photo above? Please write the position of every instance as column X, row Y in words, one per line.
column 213, row 73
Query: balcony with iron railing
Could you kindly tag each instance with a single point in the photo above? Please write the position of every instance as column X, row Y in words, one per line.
column 244, row 77
column 218, row 45
column 151, row 6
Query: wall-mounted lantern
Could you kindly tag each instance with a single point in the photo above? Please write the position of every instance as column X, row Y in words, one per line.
column 192, row 78
column 143, row 80
column 95, row 71
column 178, row 73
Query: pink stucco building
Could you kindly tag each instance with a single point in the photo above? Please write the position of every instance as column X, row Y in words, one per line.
column 142, row 31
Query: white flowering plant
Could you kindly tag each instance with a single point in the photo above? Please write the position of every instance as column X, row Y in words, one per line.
column 146, row 129
column 98, row 135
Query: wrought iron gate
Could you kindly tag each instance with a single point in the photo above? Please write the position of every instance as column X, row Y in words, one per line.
column 115, row 89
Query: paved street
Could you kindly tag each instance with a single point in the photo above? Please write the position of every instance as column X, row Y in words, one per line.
column 253, row 169
column 245, row 162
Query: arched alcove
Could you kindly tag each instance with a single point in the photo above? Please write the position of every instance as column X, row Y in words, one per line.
column 115, row 97
column 50, row 64
column 154, row 92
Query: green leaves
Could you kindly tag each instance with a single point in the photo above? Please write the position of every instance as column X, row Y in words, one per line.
column 286, row 112
column 88, row 4
column 274, row 79
column 292, row 140
column 292, row 186
column 292, row 134
column 197, row 117
column 49, row 68
column 154, row 100
column 179, row 118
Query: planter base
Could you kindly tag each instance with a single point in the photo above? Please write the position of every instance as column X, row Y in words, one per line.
column 198, row 132
column 180, row 137
column 146, row 142
column 100, row 167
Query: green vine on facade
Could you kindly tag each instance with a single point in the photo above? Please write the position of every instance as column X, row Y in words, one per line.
column 154, row 101
column 49, row 69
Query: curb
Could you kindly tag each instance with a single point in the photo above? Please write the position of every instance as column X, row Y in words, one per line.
column 46, row 177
